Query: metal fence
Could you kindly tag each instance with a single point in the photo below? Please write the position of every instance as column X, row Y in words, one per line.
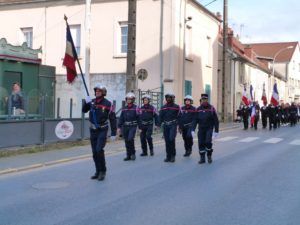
column 37, row 123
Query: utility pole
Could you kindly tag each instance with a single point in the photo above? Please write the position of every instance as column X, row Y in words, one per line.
column 225, row 47
column 131, row 43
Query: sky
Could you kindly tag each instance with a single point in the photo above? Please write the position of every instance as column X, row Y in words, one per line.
column 261, row 20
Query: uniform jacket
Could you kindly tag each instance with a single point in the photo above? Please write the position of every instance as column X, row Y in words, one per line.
column 168, row 113
column 129, row 116
column 148, row 113
column 206, row 117
column 188, row 114
column 101, row 110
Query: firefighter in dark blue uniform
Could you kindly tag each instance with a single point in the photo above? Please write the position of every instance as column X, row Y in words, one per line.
column 245, row 115
column 100, row 111
column 272, row 113
column 148, row 116
column 264, row 115
column 185, row 124
column 168, row 116
column 128, row 122
column 207, row 120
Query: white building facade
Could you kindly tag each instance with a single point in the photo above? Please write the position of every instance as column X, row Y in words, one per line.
column 189, row 40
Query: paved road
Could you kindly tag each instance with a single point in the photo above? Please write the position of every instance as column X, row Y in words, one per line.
column 254, row 179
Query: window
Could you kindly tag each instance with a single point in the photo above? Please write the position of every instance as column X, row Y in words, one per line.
column 208, row 90
column 27, row 36
column 123, row 37
column 188, row 42
column 188, row 87
column 76, row 35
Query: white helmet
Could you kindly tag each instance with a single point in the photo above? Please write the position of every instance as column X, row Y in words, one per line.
column 169, row 95
column 188, row 97
column 146, row 96
column 102, row 88
column 130, row 95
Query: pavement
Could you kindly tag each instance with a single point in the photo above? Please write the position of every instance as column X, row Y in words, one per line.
column 24, row 162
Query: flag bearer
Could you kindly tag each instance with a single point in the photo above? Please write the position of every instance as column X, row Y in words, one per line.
column 100, row 112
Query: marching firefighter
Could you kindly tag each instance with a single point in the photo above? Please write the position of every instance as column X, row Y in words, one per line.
column 100, row 111
column 148, row 116
column 245, row 111
column 208, row 126
column 128, row 122
column 264, row 115
column 168, row 116
column 185, row 124
column 272, row 113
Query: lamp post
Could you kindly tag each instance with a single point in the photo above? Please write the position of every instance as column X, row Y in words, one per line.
column 273, row 62
column 276, row 54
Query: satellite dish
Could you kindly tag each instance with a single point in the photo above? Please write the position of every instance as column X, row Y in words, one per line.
column 142, row 74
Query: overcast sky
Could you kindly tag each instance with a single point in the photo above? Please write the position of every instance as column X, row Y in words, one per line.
column 261, row 20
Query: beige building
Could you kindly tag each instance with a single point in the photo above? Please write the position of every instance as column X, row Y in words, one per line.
column 189, row 40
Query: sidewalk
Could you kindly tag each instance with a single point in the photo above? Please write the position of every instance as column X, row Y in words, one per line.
column 28, row 161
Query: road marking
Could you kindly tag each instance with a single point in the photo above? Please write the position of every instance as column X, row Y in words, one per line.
column 295, row 142
column 226, row 138
column 249, row 139
column 273, row 140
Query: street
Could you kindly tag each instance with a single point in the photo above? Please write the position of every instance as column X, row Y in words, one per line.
column 254, row 180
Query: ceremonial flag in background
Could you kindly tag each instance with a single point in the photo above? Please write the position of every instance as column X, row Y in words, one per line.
column 264, row 95
column 251, row 92
column 245, row 98
column 275, row 96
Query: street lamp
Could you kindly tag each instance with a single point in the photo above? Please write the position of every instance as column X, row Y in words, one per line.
column 273, row 62
column 276, row 54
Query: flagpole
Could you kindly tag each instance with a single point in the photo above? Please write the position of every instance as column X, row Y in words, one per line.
column 73, row 47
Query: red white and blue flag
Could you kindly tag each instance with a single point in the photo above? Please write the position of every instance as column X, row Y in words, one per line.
column 275, row 96
column 70, row 57
column 253, row 113
column 264, row 95
column 245, row 98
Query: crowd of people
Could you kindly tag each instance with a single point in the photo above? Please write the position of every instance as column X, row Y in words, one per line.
column 272, row 116
column 172, row 118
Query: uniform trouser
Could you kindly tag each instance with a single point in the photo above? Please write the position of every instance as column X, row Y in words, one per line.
column 272, row 123
column 187, row 138
column 98, row 141
column 146, row 136
column 255, row 122
column 170, row 132
column 264, row 120
column 129, row 134
column 246, row 123
column 205, row 140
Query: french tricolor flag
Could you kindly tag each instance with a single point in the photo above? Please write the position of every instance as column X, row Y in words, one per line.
column 245, row 98
column 70, row 57
column 275, row 96
column 264, row 96
column 253, row 114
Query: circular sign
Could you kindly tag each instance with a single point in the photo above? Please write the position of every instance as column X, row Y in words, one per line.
column 142, row 74
column 64, row 129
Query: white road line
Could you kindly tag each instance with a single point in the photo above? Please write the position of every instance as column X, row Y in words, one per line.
column 249, row 139
column 295, row 142
column 226, row 138
column 273, row 140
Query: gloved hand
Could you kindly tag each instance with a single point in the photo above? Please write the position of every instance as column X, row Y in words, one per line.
column 88, row 99
column 193, row 134
column 113, row 138
column 215, row 134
